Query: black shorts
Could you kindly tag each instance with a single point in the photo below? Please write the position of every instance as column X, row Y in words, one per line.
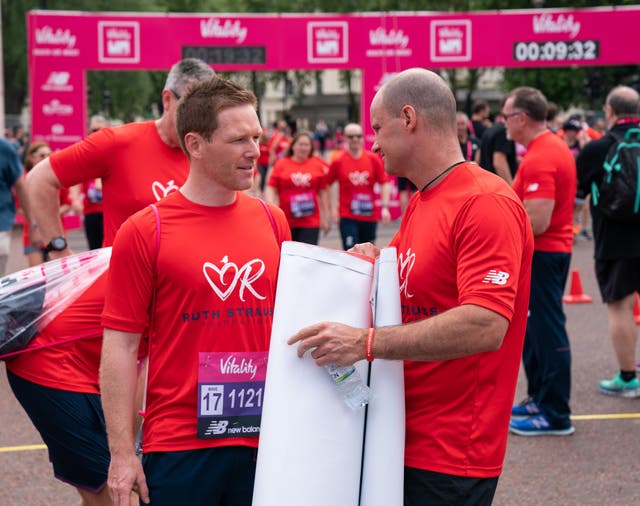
column 437, row 489
column 72, row 426
column 306, row 235
column 618, row 278
column 209, row 477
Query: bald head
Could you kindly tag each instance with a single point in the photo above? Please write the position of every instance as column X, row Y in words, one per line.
column 426, row 92
column 352, row 129
column 624, row 101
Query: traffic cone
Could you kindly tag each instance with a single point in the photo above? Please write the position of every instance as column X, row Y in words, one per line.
column 576, row 295
column 636, row 309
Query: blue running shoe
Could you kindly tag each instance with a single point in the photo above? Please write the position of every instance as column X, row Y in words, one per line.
column 525, row 409
column 538, row 425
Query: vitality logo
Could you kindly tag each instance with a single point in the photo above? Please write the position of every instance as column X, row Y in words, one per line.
column 223, row 280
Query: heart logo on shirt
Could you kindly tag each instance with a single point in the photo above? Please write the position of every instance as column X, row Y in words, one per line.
column 223, row 280
column 358, row 178
column 227, row 267
column 405, row 264
column 301, row 179
column 160, row 191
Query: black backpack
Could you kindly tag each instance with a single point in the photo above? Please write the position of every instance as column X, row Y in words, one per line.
column 618, row 195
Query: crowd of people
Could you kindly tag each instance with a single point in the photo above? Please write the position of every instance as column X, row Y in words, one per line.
column 481, row 291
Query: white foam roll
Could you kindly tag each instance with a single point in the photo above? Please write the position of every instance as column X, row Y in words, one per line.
column 310, row 441
column 383, row 469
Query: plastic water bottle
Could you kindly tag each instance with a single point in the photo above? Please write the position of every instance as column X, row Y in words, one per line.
column 350, row 384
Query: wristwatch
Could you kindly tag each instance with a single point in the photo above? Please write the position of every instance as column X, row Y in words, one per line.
column 56, row 244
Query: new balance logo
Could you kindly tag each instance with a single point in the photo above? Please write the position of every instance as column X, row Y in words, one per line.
column 215, row 428
column 496, row 277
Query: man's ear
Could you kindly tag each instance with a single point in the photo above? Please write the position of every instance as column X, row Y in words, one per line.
column 166, row 99
column 409, row 117
column 193, row 143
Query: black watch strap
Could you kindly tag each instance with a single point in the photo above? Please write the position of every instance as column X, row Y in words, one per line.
column 58, row 243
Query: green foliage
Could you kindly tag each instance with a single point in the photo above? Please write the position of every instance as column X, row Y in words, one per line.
column 562, row 85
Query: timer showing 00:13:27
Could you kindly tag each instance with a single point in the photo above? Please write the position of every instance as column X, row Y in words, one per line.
column 576, row 50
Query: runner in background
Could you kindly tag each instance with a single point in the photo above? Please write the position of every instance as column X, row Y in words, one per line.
column 298, row 184
column 354, row 206
column 87, row 198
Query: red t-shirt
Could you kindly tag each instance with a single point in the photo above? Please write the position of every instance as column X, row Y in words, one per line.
column 279, row 143
column 135, row 165
column 263, row 159
column 216, row 278
column 548, row 171
column 356, row 180
column 137, row 168
column 466, row 241
column 72, row 366
column 298, row 185
column 92, row 198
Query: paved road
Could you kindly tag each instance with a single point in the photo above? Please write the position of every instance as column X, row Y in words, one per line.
column 598, row 465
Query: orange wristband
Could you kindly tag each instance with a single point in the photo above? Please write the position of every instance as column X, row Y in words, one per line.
column 369, row 345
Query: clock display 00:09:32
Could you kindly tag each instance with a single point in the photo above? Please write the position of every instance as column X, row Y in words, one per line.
column 575, row 50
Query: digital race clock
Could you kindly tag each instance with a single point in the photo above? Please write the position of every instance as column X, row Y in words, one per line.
column 569, row 51
column 239, row 55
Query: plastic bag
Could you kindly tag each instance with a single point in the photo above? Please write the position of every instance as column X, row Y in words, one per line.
column 31, row 298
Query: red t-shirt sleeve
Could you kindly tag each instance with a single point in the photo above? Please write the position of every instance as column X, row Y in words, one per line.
column 489, row 256
column 334, row 169
column 131, row 274
column 538, row 181
column 87, row 159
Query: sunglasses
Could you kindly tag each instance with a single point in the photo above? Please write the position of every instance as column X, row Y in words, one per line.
column 175, row 94
column 355, row 136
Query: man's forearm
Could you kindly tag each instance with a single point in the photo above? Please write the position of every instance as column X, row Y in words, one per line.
column 118, row 379
column 42, row 191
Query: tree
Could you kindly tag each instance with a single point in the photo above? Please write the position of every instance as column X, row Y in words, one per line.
column 561, row 85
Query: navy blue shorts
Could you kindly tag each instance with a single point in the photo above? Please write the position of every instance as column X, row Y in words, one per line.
column 72, row 426
column 209, row 477
column 437, row 489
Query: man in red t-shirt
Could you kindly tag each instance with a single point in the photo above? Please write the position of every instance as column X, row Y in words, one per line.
column 464, row 260
column 546, row 182
column 356, row 172
column 138, row 163
column 203, row 283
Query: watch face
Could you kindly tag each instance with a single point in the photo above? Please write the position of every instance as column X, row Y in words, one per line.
column 58, row 243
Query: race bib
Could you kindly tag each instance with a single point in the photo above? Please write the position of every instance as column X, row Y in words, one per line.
column 303, row 204
column 362, row 204
column 230, row 393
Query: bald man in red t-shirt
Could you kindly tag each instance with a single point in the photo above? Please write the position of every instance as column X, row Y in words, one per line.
column 464, row 259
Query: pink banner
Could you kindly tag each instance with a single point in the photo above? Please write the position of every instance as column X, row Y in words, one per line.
column 63, row 45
